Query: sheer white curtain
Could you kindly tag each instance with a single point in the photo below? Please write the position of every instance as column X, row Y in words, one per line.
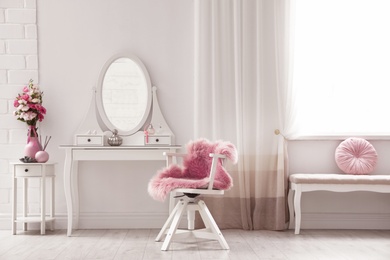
column 242, row 94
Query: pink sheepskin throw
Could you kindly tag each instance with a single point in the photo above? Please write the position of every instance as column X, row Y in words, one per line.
column 356, row 156
column 195, row 170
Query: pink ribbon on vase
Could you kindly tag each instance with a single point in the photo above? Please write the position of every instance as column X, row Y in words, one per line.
column 29, row 133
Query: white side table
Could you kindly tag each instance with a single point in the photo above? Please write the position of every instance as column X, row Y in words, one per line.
column 27, row 171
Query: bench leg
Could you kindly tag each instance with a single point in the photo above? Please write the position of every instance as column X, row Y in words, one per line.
column 290, row 201
column 297, row 207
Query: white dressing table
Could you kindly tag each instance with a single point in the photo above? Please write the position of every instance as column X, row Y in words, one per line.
column 124, row 100
column 76, row 153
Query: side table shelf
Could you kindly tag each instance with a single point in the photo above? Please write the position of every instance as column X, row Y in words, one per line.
column 26, row 171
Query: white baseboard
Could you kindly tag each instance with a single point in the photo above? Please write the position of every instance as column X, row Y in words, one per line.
column 156, row 220
column 128, row 220
column 122, row 220
column 344, row 221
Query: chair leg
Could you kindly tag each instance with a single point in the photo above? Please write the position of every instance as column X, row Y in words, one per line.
column 182, row 205
column 168, row 222
column 191, row 218
column 208, row 219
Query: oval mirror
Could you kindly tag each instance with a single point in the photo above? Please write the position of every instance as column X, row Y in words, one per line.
column 124, row 95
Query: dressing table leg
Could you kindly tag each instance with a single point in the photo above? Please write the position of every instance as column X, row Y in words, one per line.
column 68, row 188
column 75, row 193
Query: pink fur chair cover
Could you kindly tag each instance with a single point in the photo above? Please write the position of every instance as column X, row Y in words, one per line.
column 195, row 170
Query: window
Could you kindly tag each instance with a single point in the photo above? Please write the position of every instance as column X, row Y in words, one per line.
column 342, row 67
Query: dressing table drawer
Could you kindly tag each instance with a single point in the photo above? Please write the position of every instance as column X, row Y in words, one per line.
column 158, row 139
column 89, row 139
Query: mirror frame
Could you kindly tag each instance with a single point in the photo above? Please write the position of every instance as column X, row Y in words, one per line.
column 99, row 99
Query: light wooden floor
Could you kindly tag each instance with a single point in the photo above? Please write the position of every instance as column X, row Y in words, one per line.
column 139, row 244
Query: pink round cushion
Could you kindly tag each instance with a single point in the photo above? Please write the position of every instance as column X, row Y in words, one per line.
column 356, row 156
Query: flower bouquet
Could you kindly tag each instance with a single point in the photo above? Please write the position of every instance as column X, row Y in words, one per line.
column 29, row 109
column 28, row 105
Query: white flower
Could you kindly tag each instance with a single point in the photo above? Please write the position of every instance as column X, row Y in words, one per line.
column 23, row 108
column 29, row 116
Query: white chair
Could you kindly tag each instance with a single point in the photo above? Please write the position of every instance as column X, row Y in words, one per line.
column 190, row 202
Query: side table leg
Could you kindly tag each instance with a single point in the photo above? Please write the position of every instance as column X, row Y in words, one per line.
column 43, row 201
column 25, row 202
column 52, row 202
column 14, row 200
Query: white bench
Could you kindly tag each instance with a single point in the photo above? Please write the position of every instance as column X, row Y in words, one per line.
column 304, row 182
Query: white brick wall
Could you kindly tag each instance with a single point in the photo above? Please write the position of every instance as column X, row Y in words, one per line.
column 30, row 31
column 8, row 62
column 11, row 31
column 3, row 136
column 2, row 47
column 2, row 16
column 3, row 78
column 21, row 16
column 18, row 64
column 22, row 47
column 12, row 3
column 20, row 76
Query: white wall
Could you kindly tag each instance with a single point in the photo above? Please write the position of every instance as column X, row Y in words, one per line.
column 75, row 38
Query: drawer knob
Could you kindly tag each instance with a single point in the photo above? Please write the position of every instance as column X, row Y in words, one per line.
column 89, row 140
column 157, row 140
column 26, row 170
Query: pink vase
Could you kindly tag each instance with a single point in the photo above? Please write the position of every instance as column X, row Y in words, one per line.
column 33, row 146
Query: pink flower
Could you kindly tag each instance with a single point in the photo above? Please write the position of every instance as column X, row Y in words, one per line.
column 16, row 103
column 25, row 97
column 40, row 117
column 42, row 110
column 26, row 89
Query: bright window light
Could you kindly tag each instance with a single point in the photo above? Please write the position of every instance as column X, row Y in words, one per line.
column 342, row 67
